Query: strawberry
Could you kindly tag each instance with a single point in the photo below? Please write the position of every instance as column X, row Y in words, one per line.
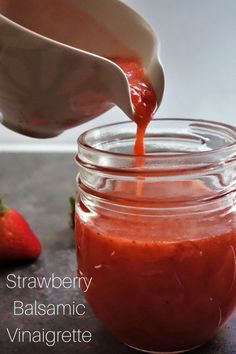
column 17, row 240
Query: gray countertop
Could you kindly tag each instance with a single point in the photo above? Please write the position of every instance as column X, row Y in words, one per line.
column 38, row 185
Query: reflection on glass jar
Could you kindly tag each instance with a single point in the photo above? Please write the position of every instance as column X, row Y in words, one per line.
column 157, row 233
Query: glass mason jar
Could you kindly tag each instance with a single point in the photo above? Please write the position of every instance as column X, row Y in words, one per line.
column 157, row 233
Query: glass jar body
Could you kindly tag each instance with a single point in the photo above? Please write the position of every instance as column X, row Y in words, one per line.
column 161, row 254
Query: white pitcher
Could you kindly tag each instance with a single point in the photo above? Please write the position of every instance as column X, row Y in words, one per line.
column 54, row 71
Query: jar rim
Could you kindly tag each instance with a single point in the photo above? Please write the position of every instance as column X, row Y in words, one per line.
column 224, row 153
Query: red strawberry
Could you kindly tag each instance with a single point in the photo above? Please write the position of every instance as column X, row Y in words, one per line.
column 17, row 240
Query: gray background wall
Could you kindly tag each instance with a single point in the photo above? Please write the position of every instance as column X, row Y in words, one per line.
column 198, row 51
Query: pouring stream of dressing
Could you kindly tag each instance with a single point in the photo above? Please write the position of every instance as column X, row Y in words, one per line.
column 143, row 97
column 144, row 103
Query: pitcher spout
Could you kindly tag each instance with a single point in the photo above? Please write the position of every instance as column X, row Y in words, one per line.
column 55, row 70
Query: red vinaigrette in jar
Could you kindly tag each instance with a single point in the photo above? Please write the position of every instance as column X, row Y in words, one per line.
column 163, row 262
